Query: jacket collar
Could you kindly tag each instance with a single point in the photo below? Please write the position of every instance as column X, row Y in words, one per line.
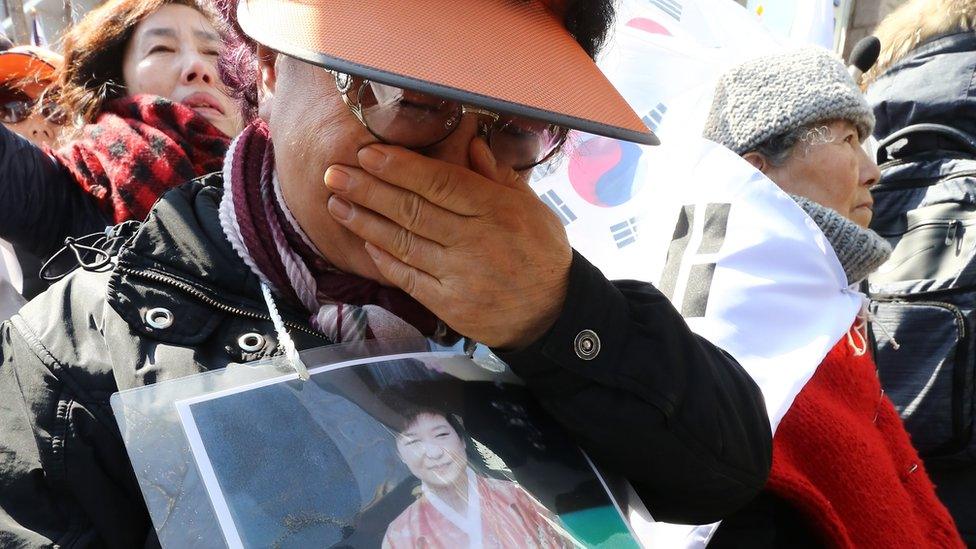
column 182, row 237
column 180, row 260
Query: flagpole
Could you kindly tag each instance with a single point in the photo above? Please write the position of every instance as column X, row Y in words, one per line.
column 843, row 22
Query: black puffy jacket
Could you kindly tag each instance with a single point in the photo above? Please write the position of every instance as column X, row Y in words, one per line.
column 674, row 414
column 933, row 84
column 40, row 203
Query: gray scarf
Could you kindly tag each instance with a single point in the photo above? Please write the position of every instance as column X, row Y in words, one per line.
column 859, row 250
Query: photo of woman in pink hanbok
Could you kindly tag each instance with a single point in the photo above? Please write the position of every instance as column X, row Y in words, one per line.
column 458, row 507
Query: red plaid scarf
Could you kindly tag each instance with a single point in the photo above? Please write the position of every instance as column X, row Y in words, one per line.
column 139, row 148
column 258, row 224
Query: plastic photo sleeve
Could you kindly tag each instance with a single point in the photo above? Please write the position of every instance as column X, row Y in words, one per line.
column 426, row 449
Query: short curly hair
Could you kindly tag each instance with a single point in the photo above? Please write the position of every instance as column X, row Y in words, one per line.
column 779, row 148
column 588, row 22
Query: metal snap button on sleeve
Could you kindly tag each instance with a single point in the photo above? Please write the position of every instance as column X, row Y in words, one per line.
column 159, row 318
column 587, row 345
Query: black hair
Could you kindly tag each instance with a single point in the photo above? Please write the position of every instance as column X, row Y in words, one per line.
column 410, row 402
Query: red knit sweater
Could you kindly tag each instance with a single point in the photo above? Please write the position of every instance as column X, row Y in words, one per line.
column 842, row 457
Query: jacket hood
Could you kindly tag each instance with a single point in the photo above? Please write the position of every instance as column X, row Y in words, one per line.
column 182, row 237
column 933, row 84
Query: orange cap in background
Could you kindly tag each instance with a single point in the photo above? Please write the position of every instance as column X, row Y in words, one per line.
column 514, row 57
column 28, row 68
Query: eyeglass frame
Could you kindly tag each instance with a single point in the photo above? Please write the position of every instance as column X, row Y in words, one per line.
column 344, row 84
column 35, row 105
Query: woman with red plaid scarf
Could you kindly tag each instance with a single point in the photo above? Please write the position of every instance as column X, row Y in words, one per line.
column 140, row 83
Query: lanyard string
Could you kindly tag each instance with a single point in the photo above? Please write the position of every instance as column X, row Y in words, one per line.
column 285, row 340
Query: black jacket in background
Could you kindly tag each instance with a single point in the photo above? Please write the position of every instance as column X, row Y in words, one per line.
column 674, row 414
column 935, row 83
column 932, row 84
column 40, row 203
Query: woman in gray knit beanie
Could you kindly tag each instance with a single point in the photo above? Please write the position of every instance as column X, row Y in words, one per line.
column 799, row 118
column 844, row 471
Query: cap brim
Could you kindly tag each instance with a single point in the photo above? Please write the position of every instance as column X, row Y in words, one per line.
column 510, row 56
column 25, row 72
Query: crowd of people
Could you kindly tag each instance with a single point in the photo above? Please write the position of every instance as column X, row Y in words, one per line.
column 315, row 153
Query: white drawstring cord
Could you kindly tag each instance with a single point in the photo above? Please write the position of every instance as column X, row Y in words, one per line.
column 889, row 335
column 856, row 329
column 864, row 316
column 285, row 340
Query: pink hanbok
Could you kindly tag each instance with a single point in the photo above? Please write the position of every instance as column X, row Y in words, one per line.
column 501, row 515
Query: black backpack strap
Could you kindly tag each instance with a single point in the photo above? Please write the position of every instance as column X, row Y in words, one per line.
column 933, row 137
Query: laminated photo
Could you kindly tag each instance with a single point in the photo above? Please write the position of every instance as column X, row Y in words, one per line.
column 396, row 452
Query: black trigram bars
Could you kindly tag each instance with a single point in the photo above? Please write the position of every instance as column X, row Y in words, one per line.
column 670, row 7
column 653, row 119
column 625, row 233
column 556, row 204
column 699, row 285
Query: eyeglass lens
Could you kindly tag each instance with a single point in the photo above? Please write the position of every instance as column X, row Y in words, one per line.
column 54, row 113
column 407, row 118
column 13, row 112
column 16, row 106
column 416, row 120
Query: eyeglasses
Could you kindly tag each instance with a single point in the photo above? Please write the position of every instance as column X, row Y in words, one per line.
column 417, row 120
column 15, row 107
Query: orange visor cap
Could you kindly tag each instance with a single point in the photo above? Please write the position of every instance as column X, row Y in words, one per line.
column 28, row 68
column 510, row 56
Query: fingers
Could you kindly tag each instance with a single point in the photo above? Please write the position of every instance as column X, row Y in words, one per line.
column 403, row 244
column 450, row 186
column 483, row 163
column 406, row 209
column 420, row 285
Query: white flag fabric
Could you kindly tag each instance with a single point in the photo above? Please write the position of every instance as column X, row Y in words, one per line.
column 813, row 23
column 747, row 268
column 10, row 267
column 620, row 202
column 11, row 282
column 745, row 265
column 798, row 21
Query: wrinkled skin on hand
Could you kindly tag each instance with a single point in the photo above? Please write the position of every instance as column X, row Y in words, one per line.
column 475, row 246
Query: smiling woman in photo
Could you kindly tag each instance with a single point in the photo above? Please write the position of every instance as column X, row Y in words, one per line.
column 458, row 507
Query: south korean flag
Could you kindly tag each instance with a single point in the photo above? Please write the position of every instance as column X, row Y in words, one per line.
column 745, row 266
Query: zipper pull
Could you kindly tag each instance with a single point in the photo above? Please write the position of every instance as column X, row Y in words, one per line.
column 951, row 233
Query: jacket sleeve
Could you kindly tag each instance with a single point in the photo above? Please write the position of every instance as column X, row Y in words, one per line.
column 675, row 415
column 40, row 203
column 64, row 476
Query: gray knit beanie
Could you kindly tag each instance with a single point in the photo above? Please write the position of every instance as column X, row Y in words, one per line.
column 773, row 95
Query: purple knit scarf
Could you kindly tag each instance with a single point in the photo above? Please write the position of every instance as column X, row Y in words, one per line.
column 258, row 224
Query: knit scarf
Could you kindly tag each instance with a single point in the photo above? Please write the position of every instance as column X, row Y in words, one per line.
column 139, row 148
column 261, row 228
column 860, row 251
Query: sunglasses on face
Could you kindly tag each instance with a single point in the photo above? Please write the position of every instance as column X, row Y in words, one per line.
column 417, row 120
column 15, row 107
